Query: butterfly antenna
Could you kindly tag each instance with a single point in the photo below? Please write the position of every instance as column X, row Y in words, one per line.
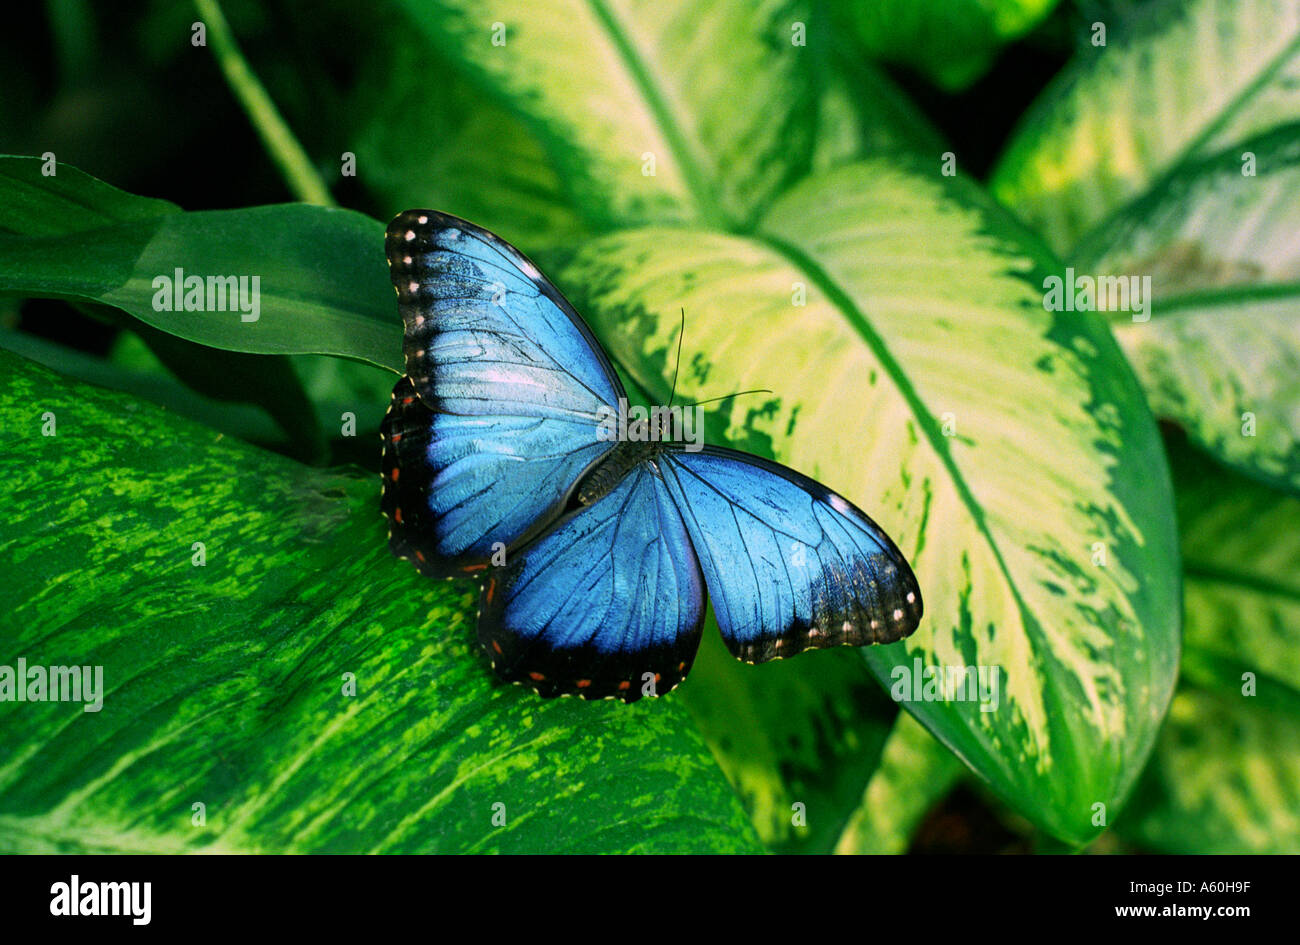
column 680, row 335
column 739, row 393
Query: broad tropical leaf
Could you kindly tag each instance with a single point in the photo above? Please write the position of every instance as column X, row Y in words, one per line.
column 1179, row 80
column 1008, row 451
column 1241, row 560
column 322, row 286
column 227, row 685
column 1218, row 349
column 1225, row 776
column 459, row 151
column 655, row 125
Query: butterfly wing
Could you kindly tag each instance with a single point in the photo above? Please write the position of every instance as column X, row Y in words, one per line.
column 611, row 592
column 789, row 564
column 497, row 417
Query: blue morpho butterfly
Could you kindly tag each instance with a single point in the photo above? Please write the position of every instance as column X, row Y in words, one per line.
column 491, row 444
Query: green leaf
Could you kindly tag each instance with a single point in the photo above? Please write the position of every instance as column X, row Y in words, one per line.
column 35, row 202
column 71, row 203
column 923, row 310
column 223, row 684
column 132, row 369
column 1241, row 560
column 1221, row 352
column 805, row 732
column 915, row 772
column 646, row 119
column 1225, row 776
column 459, row 151
column 1181, row 80
column 953, row 42
column 322, row 287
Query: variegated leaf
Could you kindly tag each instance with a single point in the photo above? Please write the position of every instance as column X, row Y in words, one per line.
column 1179, row 80
column 295, row 688
column 1217, row 345
column 644, row 116
column 1225, row 775
column 899, row 318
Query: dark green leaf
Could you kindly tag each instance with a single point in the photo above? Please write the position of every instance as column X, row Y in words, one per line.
column 224, row 684
column 322, row 285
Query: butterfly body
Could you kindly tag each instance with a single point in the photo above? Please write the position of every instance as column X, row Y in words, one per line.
column 597, row 558
column 615, row 465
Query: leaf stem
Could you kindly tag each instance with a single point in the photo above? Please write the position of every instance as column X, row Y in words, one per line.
column 297, row 168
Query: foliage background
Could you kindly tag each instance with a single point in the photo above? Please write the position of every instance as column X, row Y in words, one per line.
column 776, row 164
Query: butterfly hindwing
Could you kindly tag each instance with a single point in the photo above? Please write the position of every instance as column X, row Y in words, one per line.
column 609, row 598
column 497, row 417
column 789, row 564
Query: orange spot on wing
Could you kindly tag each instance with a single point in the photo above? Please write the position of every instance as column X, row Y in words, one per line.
column 491, row 587
column 397, row 516
column 624, row 686
column 583, row 683
column 471, row 568
column 419, row 556
column 536, row 677
column 496, row 646
column 681, row 666
column 393, row 476
column 395, row 437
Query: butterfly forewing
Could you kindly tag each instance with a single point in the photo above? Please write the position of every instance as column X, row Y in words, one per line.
column 498, row 415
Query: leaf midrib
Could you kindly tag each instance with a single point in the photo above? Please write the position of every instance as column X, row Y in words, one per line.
column 1190, row 153
column 1241, row 580
column 1234, row 107
column 924, row 419
column 1196, row 302
column 636, row 65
